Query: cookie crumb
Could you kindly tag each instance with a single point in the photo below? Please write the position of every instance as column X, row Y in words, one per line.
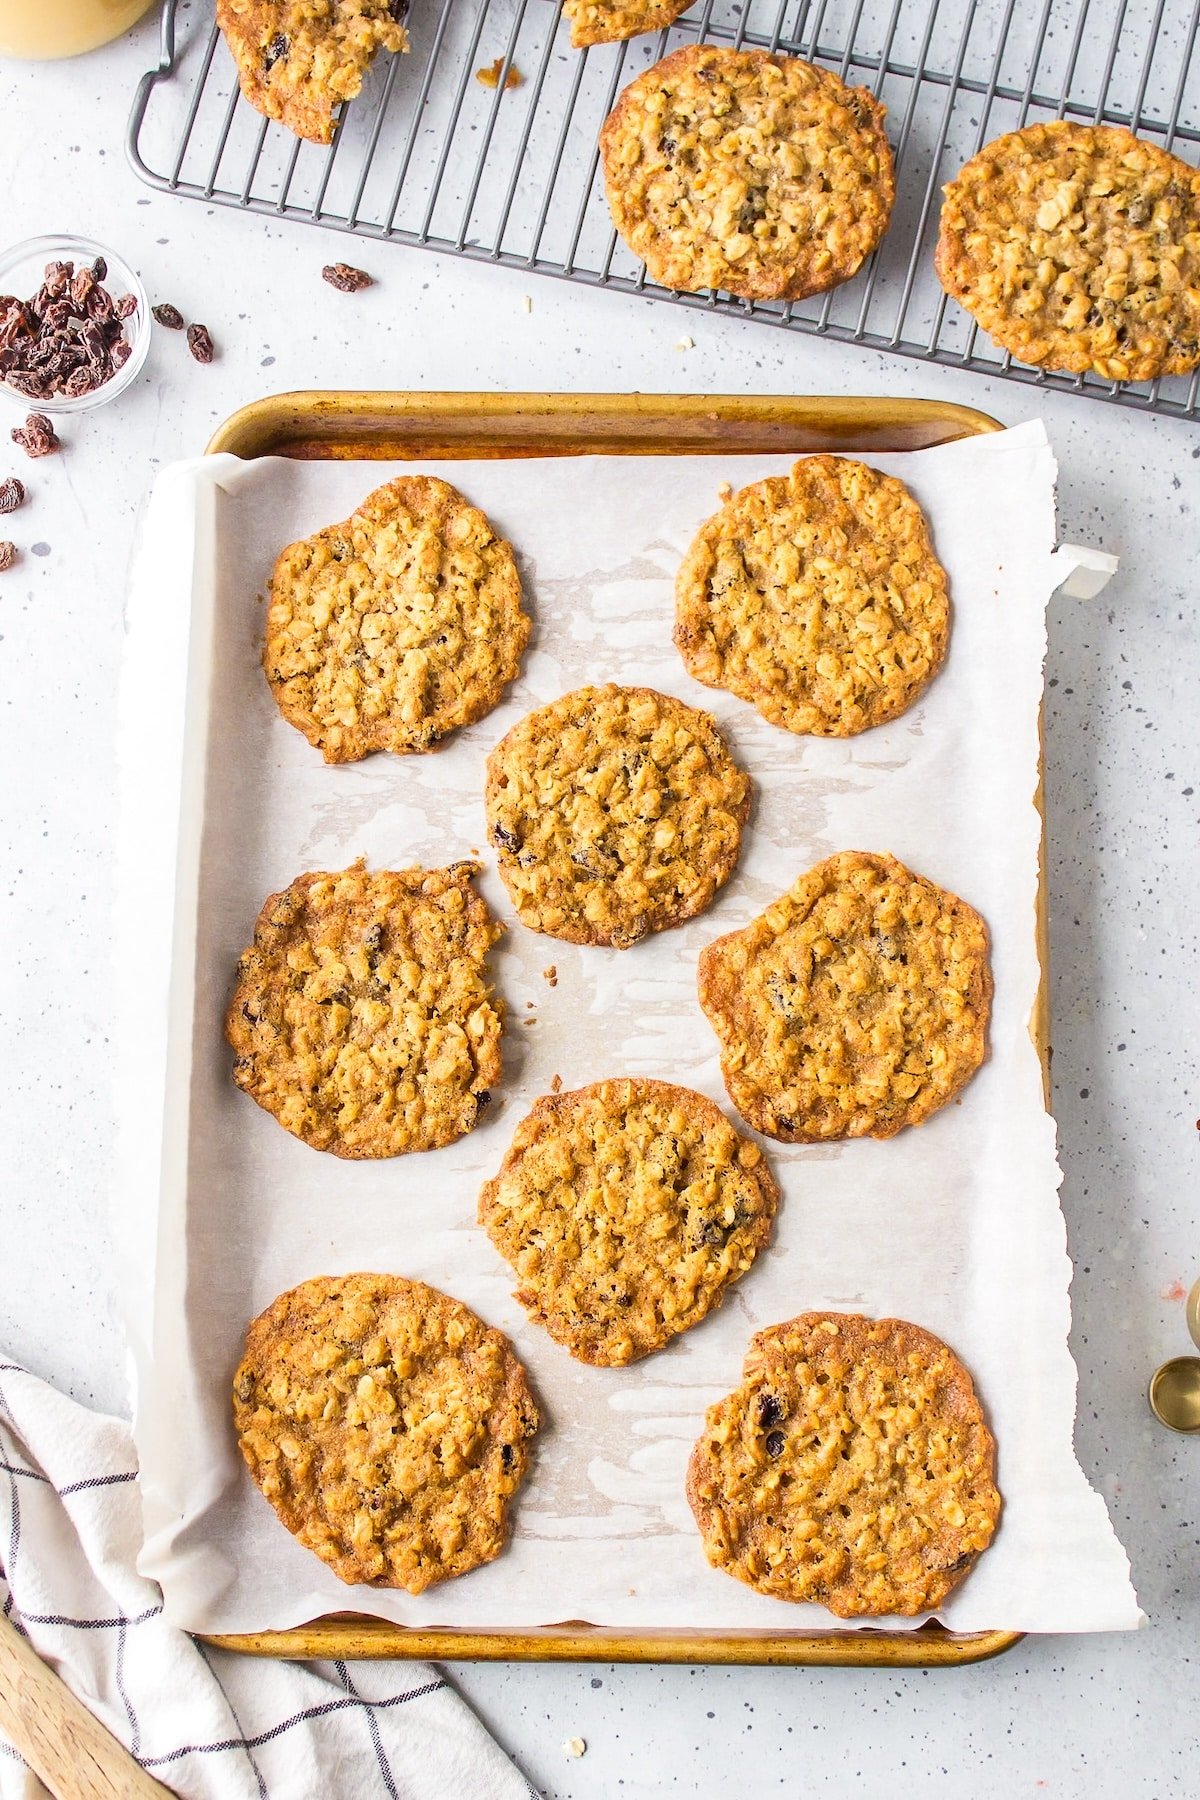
column 725, row 493
column 556, row 1084
column 526, row 303
column 686, row 343
column 551, row 975
column 490, row 77
column 575, row 1746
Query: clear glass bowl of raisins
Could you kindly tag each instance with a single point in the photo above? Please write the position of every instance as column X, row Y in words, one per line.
column 74, row 324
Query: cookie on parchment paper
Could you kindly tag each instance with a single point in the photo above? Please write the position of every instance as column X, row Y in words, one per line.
column 392, row 629
column 609, row 21
column 855, row 1005
column 1077, row 247
column 387, row 1425
column 626, row 1209
column 297, row 60
column 816, row 596
column 362, row 1017
column 752, row 172
column 614, row 812
column 852, row 1467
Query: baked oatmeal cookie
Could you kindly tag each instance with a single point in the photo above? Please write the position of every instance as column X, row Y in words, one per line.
column 626, row 1210
column 363, row 1017
column 614, row 812
column 297, row 60
column 746, row 171
column 852, row 1467
column 1077, row 247
column 391, row 630
column 387, row 1425
column 816, row 596
column 608, row 21
column 853, row 1006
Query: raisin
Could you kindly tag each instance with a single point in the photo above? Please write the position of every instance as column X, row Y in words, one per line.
column 126, row 306
column 36, row 437
column 200, row 343
column 168, row 315
column 668, row 146
column 373, row 939
column 82, row 284
column 505, row 840
column 483, row 1098
column 8, row 555
column 57, row 278
column 79, row 381
column 33, row 386
column 770, row 1412
column 775, row 1443
column 12, row 493
column 508, row 1458
column 398, row 10
column 275, row 51
column 345, row 278
column 99, row 269
column 121, row 353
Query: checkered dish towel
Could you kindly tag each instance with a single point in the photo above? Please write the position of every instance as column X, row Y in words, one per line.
column 205, row 1722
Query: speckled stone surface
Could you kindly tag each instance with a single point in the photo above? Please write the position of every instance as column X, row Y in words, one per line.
column 1102, row 1716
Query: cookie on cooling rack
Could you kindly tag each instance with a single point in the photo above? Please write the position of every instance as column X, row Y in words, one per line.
column 387, row 1425
column 608, row 21
column 853, row 1006
column 614, row 812
column 626, row 1210
column 297, row 60
column 1077, row 247
column 362, row 1017
column 756, row 173
column 817, row 597
column 393, row 629
column 852, row 1467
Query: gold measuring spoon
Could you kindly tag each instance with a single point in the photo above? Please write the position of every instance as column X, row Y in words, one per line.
column 1174, row 1391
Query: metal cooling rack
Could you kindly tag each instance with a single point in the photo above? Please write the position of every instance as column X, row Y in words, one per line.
column 429, row 156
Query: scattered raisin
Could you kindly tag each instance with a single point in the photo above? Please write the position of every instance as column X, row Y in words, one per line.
column 508, row 1458
column 37, row 436
column 769, row 1411
column 275, row 51
column 99, row 269
column 126, row 306
column 775, row 1443
column 168, row 315
column 346, row 279
column 8, row 555
column 505, row 840
column 483, row 1098
column 199, row 343
column 12, row 493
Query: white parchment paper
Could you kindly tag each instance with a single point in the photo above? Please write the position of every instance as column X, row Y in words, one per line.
column 955, row 1225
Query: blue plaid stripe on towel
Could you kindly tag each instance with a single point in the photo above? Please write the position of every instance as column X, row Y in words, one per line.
column 205, row 1722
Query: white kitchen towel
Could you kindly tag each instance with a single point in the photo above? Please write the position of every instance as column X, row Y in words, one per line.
column 205, row 1722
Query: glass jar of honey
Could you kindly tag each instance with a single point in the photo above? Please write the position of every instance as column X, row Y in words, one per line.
column 52, row 28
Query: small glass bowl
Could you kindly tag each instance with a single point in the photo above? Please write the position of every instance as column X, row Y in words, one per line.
column 21, row 273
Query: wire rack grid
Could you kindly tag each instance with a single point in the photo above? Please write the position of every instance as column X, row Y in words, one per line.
column 428, row 155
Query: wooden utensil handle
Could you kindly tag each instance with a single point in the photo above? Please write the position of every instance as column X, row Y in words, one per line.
column 68, row 1749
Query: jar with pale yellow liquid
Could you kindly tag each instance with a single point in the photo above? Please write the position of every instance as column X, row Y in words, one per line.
column 41, row 29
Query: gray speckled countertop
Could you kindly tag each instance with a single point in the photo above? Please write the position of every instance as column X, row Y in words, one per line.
column 1110, row 1716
